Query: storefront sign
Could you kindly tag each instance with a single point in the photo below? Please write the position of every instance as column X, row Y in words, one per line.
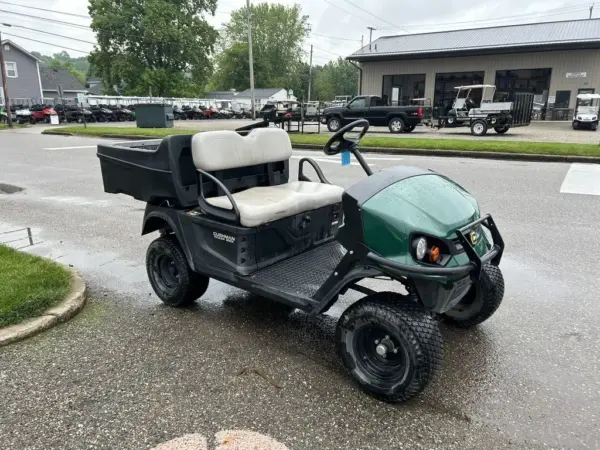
column 576, row 74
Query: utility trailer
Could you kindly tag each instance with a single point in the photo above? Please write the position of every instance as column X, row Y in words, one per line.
column 474, row 107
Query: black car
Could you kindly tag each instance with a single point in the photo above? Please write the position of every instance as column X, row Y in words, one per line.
column 399, row 119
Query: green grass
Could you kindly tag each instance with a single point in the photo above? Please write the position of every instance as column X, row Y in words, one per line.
column 476, row 145
column 4, row 126
column 28, row 285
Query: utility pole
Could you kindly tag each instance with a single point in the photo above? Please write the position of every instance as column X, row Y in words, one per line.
column 591, row 10
column 310, row 72
column 362, row 45
column 6, row 100
column 370, row 35
column 251, row 60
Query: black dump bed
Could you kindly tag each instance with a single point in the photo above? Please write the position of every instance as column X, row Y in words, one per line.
column 151, row 171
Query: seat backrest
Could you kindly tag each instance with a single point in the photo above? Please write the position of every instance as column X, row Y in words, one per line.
column 222, row 150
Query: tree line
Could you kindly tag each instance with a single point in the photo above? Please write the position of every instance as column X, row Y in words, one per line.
column 167, row 48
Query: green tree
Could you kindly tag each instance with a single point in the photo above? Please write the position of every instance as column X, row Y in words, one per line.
column 162, row 46
column 335, row 78
column 278, row 32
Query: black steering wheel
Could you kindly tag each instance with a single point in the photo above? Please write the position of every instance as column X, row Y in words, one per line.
column 339, row 143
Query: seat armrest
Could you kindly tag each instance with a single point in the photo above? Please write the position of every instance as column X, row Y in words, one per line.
column 313, row 163
column 222, row 213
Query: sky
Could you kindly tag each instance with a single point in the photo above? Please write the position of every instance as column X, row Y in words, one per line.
column 337, row 26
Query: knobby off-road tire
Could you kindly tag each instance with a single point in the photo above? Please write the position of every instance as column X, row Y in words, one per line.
column 409, row 336
column 170, row 275
column 481, row 302
column 501, row 130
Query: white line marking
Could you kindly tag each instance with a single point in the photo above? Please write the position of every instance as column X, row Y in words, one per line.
column 367, row 158
column 582, row 179
column 70, row 148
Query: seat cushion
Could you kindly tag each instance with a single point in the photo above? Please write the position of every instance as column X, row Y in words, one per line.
column 260, row 205
column 226, row 149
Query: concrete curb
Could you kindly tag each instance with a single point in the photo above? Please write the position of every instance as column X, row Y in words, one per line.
column 407, row 151
column 60, row 313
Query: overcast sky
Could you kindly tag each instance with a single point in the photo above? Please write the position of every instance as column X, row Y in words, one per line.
column 337, row 25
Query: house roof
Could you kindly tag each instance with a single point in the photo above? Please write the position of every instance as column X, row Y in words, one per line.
column 511, row 38
column 221, row 95
column 51, row 78
column 9, row 42
column 260, row 93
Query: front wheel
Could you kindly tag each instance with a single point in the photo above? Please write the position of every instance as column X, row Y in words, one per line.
column 396, row 125
column 482, row 300
column 594, row 126
column 390, row 346
column 170, row 274
column 479, row 128
column 575, row 125
column 334, row 124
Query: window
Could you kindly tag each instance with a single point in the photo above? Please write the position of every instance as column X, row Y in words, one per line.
column 446, row 82
column 563, row 98
column 357, row 103
column 11, row 69
column 508, row 82
column 401, row 89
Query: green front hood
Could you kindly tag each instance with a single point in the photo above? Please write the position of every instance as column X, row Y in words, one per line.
column 428, row 204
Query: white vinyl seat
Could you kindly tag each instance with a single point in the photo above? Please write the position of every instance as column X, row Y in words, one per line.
column 221, row 150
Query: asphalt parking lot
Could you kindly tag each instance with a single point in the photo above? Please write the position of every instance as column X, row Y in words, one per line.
column 129, row 373
column 547, row 131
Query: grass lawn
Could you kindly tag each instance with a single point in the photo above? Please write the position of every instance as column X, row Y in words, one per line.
column 28, row 285
column 477, row 145
column 4, row 126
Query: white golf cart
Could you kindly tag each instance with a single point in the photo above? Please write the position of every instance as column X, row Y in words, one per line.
column 586, row 115
column 474, row 106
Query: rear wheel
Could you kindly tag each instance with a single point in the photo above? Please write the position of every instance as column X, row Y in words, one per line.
column 334, row 124
column 170, row 275
column 479, row 128
column 390, row 346
column 396, row 125
column 482, row 300
column 501, row 130
column 575, row 125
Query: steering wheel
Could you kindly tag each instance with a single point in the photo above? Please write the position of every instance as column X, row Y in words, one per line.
column 339, row 143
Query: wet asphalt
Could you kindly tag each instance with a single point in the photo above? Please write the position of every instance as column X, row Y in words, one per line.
column 129, row 373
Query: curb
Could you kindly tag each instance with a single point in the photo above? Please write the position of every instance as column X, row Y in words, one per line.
column 60, row 313
column 406, row 151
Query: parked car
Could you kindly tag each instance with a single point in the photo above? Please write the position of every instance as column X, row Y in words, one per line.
column 586, row 116
column 399, row 119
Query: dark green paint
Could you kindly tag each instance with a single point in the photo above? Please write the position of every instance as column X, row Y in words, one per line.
column 428, row 204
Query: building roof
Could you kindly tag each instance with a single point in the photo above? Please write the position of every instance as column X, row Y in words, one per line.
column 503, row 39
column 221, row 95
column 9, row 42
column 51, row 78
column 260, row 93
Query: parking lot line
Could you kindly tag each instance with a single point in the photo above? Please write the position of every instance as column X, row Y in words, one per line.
column 582, row 179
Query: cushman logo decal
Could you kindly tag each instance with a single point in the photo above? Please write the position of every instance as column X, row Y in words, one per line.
column 473, row 238
column 224, row 237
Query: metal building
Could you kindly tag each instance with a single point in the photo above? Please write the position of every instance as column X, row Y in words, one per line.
column 554, row 60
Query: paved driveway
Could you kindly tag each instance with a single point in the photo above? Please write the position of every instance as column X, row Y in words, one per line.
column 129, row 373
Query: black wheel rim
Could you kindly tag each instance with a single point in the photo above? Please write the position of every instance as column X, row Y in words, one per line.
column 165, row 273
column 386, row 370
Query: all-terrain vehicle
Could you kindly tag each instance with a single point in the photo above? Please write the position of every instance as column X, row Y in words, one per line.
column 102, row 114
column 226, row 209
column 474, row 107
column 73, row 113
column 586, row 116
column 41, row 113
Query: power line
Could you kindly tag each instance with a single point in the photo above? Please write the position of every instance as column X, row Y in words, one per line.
column 327, row 51
column 46, row 43
column 549, row 12
column 346, row 11
column 373, row 15
column 46, row 10
column 333, row 37
column 85, row 27
column 47, row 32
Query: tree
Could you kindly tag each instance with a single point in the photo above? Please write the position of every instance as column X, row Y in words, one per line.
column 335, row 78
column 162, row 46
column 278, row 32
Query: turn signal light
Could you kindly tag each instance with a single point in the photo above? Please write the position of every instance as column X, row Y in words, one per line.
column 434, row 254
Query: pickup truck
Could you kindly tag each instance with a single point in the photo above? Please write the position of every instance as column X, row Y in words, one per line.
column 399, row 119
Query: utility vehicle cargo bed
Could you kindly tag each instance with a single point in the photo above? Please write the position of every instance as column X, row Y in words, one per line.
column 151, row 171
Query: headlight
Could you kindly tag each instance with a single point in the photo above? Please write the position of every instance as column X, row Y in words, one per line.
column 421, row 248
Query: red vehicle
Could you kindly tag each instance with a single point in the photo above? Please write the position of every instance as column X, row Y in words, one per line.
column 41, row 113
column 210, row 113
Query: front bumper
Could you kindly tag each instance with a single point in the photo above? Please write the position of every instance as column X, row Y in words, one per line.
column 473, row 269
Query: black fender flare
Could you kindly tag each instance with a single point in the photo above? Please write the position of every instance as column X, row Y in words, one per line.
column 400, row 115
column 155, row 219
